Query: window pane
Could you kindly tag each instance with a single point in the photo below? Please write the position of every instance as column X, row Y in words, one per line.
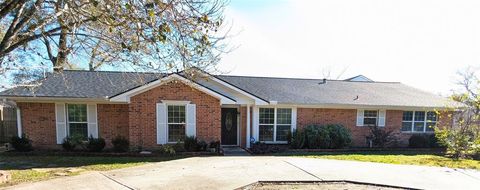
column 406, row 126
column 267, row 115
column 370, row 121
column 419, row 116
column 176, row 114
column 284, row 116
column 176, row 132
column 77, row 112
column 265, row 133
column 431, row 126
column 418, row 126
column 282, row 132
column 78, row 130
column 431, row 116
column 407, row 115
column 370, row 113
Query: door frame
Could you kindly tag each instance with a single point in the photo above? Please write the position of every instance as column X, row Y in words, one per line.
column 238, row 122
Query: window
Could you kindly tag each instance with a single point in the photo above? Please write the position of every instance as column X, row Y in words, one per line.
column 266, row 124
column 77, row 120
column 370, row 117
column 176, row 123
column 419, row 121
column 274, row 124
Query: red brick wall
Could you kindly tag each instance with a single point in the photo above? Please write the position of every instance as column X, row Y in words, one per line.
column 112, row 121
column 142, row 109
column 38, row 123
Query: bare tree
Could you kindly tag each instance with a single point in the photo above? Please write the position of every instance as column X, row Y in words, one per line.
column 160, row 35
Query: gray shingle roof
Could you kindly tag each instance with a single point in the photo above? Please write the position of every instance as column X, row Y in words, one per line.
column 314, row 91
column 84, row 84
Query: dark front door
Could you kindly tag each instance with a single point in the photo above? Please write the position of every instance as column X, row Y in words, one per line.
column 229, row 126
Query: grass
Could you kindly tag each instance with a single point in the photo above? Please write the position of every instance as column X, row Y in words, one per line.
column 392, row 157
column 37, row 167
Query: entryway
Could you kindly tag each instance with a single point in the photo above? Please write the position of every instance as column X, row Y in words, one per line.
column 229, row 126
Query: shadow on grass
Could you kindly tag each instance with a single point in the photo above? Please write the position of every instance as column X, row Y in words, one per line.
column 372, row 153
column 23, row 162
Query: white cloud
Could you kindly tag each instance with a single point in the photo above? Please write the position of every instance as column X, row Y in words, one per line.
column 419, row 43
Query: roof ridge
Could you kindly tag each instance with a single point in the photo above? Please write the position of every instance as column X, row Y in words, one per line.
column 97, row 71
column 336, row 80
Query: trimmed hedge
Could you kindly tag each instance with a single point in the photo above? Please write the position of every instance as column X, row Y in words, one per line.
column 423, row 141
column 321, row 137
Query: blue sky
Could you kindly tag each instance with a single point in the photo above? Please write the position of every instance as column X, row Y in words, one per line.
column 417, row 42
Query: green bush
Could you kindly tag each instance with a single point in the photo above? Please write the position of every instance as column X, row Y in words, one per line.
column 202, row 145
column 22, row 144
column 167, row 150
column 297, row 139
column 191, row 144
column 215, row 145
column 321, row 137
column 120, row 144
column 95, row 144
column 418, row 141
column 340, row 136
column 423, row 141
column 69, row 143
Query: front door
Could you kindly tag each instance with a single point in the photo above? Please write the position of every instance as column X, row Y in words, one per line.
column 229, row 126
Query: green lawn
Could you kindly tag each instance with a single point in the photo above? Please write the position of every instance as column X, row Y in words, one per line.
column 36, row 168
column 400, row 157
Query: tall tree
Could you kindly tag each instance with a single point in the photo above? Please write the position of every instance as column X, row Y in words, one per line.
column 140, row 34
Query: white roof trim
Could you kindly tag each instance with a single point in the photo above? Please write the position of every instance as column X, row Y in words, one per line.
column 257, row 100
column 125, row 97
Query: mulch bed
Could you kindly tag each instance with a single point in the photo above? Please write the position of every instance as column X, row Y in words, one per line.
column 103, row 154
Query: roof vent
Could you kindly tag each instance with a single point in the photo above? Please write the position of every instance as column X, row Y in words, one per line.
column 324, row 81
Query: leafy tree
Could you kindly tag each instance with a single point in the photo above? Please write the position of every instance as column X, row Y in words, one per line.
column 161, row 35
column 462, row 136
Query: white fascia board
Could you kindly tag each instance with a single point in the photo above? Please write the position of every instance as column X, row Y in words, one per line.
column 125, row 97
column 353, row 106
column 54, row 99
column 258, row 101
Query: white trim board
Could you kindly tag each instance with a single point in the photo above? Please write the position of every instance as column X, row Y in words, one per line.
column 125, row 97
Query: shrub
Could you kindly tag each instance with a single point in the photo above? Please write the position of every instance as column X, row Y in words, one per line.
column 339, row 136
column 381, row 137
column 69, row 143
column 321, row 137
column 418, row 141
column 167, row 150
column 262, row 148
column 191, row 144
column 297, row 139
column 120, row 144
column 215, row 145
column 202, row 145
column 95, row 144
column 22, row 144
column 179, row 146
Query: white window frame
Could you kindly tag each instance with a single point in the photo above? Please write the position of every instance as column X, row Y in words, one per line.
column 425, row 121
column 376, row 118
column 168, row 123
column 275, row 123
column 75, row 122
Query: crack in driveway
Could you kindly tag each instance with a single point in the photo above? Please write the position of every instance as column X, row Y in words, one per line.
column 118, row 182
column 311, row 174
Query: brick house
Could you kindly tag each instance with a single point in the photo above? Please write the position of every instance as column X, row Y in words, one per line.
column 152, row 109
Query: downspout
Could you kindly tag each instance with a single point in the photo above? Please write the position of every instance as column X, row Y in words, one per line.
column 19, row 122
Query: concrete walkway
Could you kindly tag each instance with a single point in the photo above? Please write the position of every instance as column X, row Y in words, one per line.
column 234, row 151
column 233, row 172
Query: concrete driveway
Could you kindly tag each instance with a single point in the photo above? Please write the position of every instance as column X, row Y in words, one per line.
column 234, row 172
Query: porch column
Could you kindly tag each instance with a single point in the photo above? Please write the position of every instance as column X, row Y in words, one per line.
column 19, row 122
column 248, row 126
